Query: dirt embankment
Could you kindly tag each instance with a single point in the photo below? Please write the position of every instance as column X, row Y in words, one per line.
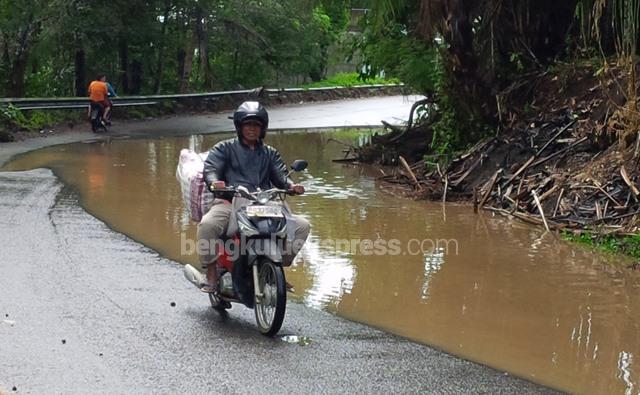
column 566, row 157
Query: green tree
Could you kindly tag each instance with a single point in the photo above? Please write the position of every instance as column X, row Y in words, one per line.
column 56, row 47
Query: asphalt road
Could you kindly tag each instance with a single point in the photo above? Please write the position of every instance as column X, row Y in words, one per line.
column 84, row 309
column 368, row 112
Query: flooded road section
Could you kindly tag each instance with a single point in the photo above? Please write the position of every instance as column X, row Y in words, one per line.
column 482, row 287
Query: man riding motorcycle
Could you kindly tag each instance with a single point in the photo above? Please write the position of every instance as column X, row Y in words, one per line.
column 243, row 161
column 99, row 92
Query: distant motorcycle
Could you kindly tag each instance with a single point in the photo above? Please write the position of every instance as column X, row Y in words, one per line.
column 98, row 123
column 256, row 278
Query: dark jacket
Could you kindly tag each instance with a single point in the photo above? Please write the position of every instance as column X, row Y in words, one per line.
column 236, row 164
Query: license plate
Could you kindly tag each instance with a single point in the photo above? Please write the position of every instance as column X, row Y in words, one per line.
column 264, row 211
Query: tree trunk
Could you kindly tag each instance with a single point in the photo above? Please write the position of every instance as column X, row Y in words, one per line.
column 203, row 48
column 458, row 34
column 80, row 70
column 136, row 77
column 453, row 19
column 157, row 82
column 187, row 66
column 6, row 59
column 16, row 86
column 124, row 64
column 182, row 55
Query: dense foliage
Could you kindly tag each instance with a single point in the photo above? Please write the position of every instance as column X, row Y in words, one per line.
column 464, row 53
column 55, row 47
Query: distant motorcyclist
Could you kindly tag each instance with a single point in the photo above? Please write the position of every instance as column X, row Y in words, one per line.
column 243, row 161
column 99, row 94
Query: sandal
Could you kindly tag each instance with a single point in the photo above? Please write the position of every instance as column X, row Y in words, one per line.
column 208, row 289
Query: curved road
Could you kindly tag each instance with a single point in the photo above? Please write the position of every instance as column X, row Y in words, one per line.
column 84, row 309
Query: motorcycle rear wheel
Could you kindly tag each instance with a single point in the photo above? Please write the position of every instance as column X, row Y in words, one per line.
column 100, row 127
column 98, row 124
column 270, row 309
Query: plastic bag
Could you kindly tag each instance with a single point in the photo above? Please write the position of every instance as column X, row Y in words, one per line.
column 195, row 195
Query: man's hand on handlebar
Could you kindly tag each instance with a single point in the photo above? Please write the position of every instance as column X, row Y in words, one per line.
column 297, row 189
column 217, row 185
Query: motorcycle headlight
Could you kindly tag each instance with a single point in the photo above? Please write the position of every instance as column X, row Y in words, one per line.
column 263, row 197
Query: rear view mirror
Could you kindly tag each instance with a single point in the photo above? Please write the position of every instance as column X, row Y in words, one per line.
column 299, row 165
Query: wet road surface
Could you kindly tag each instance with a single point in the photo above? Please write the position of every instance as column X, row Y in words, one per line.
column 84, row 309
column 493, row 291
column 331, row 114
column 322, row 115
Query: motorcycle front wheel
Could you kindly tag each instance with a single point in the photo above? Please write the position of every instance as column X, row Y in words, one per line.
column 270, row 308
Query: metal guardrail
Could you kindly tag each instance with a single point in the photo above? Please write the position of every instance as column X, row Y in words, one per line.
column 122, row 101
column 65, row 106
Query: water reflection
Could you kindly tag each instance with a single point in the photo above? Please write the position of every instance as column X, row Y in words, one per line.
column 332, row 274
column 509, row 295
column 625, row 361
column 432, row 264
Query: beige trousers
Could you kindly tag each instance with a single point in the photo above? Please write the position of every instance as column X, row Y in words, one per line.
column 213, row 228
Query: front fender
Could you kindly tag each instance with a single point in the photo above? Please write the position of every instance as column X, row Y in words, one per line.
column 270, row 248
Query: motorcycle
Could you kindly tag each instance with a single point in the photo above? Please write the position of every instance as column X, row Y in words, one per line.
column 98, row 123
column 254, row 276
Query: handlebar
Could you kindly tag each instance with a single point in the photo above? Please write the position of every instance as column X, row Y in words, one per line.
column 237, row 191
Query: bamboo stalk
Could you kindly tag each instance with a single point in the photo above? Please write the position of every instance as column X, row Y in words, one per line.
column 555, row 210
column 562, row 151
column 535, row 197
column 413, row 176
column 446, row 185
column 548, row 193
column 555, row 136
column 475, row 200
column 597, row 184
column 491, row 185
column 627, row 180
column 520, row 170
column 518, row 192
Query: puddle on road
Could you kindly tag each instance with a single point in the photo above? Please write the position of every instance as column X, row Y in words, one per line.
column 299, row 340
column 488, row 289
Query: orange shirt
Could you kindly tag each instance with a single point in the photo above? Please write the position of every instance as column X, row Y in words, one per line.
column 98, row 91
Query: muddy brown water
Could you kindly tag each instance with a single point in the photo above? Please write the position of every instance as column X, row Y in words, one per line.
column 482, row 287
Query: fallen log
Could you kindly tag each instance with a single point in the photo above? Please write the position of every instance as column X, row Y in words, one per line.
column 492, row 183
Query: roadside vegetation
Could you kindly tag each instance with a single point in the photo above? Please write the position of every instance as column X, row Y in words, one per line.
column 54, row 47
column 351, row 79
column 628, row 245
column 531, row 108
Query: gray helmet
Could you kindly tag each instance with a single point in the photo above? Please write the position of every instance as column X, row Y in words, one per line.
column 251, row 110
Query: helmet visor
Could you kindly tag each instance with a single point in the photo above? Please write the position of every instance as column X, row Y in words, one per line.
column 252, row 121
